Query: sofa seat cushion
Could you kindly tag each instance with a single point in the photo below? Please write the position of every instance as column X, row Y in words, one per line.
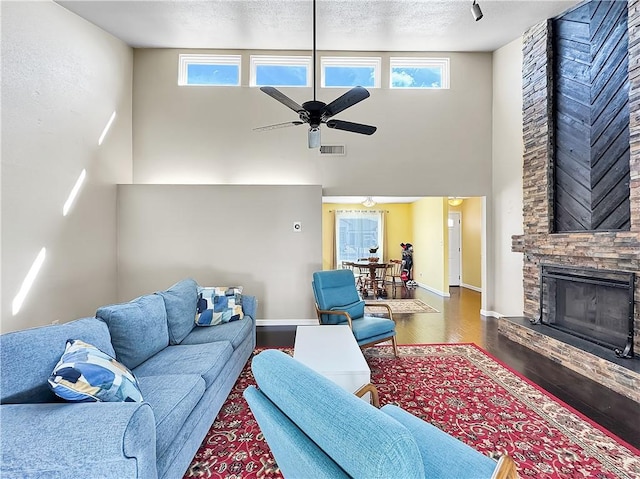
column 371, row 326
column 235, row 332
column 206, row 360
column 172, row 398
column 138, row 328
column 181, row 301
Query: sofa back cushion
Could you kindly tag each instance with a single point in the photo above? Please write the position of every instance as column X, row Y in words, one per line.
column 28, row 357
column 180, row 301
column 361, row 439
column 138, row 328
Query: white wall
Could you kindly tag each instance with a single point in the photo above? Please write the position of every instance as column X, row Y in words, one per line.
column 428, row 143
column 505, row 269
column 223, row 235
column 61, row 79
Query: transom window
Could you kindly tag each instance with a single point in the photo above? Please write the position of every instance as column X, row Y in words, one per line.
column 209, row 70
column 267, row 70
column 415, row 72
column 350, row 72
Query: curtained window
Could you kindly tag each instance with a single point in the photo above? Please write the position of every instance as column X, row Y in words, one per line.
column 356, row 232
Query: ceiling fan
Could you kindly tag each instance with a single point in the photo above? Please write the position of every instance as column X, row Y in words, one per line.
column 315, row 112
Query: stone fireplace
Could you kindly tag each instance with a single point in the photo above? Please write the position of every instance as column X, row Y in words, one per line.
column 600, row 251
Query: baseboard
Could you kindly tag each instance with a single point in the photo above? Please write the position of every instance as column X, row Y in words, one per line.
column 286, row 322
column 433, row 290
column 468, row 286
column 492, row 314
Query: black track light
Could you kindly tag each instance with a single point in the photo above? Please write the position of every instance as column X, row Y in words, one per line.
column 475, row 11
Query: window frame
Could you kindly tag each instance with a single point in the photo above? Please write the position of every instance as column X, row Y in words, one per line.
column 421, row 62
column 186, row 59
column 279, row 60
column 333, row 61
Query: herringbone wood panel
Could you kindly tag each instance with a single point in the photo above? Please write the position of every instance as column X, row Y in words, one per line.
column 591, row 118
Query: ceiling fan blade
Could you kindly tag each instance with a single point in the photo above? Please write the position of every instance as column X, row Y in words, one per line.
column 282, row 98
column 279, row 125
column 353, row 96
column 352, row 127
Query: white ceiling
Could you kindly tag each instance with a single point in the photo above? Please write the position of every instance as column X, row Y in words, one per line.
column 342, row 25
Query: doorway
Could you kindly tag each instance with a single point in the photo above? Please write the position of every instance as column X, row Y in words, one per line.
column 455, row 249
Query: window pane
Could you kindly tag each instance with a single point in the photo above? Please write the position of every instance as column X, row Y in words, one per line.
column 416, row 77
column 203, row 74
column 281, row 75
column 357, row 235
column 356, row 232
column 336, row 76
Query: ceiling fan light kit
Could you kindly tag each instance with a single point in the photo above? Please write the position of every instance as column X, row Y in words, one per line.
column 314, row 137
column 315, row 112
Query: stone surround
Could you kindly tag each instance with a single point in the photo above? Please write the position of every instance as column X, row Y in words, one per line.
column 618, row 250
column 588, row 359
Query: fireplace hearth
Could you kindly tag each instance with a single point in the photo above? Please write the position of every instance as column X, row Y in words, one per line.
column 594, row 305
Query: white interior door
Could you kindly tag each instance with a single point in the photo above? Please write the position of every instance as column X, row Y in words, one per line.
column 455, row 250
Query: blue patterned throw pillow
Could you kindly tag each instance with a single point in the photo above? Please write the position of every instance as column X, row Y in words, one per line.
column 217, row 305
column 84, row 373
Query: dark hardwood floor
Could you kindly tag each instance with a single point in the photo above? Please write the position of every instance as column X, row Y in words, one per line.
column 459, row 321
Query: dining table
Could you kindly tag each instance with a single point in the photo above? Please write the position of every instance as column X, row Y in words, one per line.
column 372, row 267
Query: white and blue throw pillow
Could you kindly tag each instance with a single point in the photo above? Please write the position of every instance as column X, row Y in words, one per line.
column 84, row 373
column 217, row 305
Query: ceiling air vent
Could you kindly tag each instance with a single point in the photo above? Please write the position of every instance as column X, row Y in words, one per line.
column 332, row 150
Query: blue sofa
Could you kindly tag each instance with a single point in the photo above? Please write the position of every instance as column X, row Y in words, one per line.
column 316, row 429
column 184, row 372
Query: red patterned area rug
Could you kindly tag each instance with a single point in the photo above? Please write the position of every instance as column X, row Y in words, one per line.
column 460, row 389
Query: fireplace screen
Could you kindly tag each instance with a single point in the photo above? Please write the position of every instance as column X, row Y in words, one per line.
column 591, row 304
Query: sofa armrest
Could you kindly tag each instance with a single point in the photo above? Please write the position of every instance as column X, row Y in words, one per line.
column 249, row 306
column 63, row 440
column 383, row 305
column 320, row 312
column 297, row 455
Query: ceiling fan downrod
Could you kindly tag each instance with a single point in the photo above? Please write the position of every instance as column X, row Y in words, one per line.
column 313, row 57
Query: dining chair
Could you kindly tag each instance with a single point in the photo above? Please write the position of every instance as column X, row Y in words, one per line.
column 338, row 302
column 362, row 275
column 393, row 274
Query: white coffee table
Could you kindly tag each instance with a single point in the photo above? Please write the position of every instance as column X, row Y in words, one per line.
column 333, row 352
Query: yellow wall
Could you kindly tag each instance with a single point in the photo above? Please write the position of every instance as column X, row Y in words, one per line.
column 472, row 242
column 431, row 238
column 398, row 226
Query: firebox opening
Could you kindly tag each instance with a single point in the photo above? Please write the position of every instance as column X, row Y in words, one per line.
column 594, row 305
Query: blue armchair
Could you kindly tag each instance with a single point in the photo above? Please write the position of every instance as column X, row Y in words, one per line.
column 315, row 428
column 338, row 302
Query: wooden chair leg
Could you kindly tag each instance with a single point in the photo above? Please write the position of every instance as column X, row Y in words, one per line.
column 395, row 346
